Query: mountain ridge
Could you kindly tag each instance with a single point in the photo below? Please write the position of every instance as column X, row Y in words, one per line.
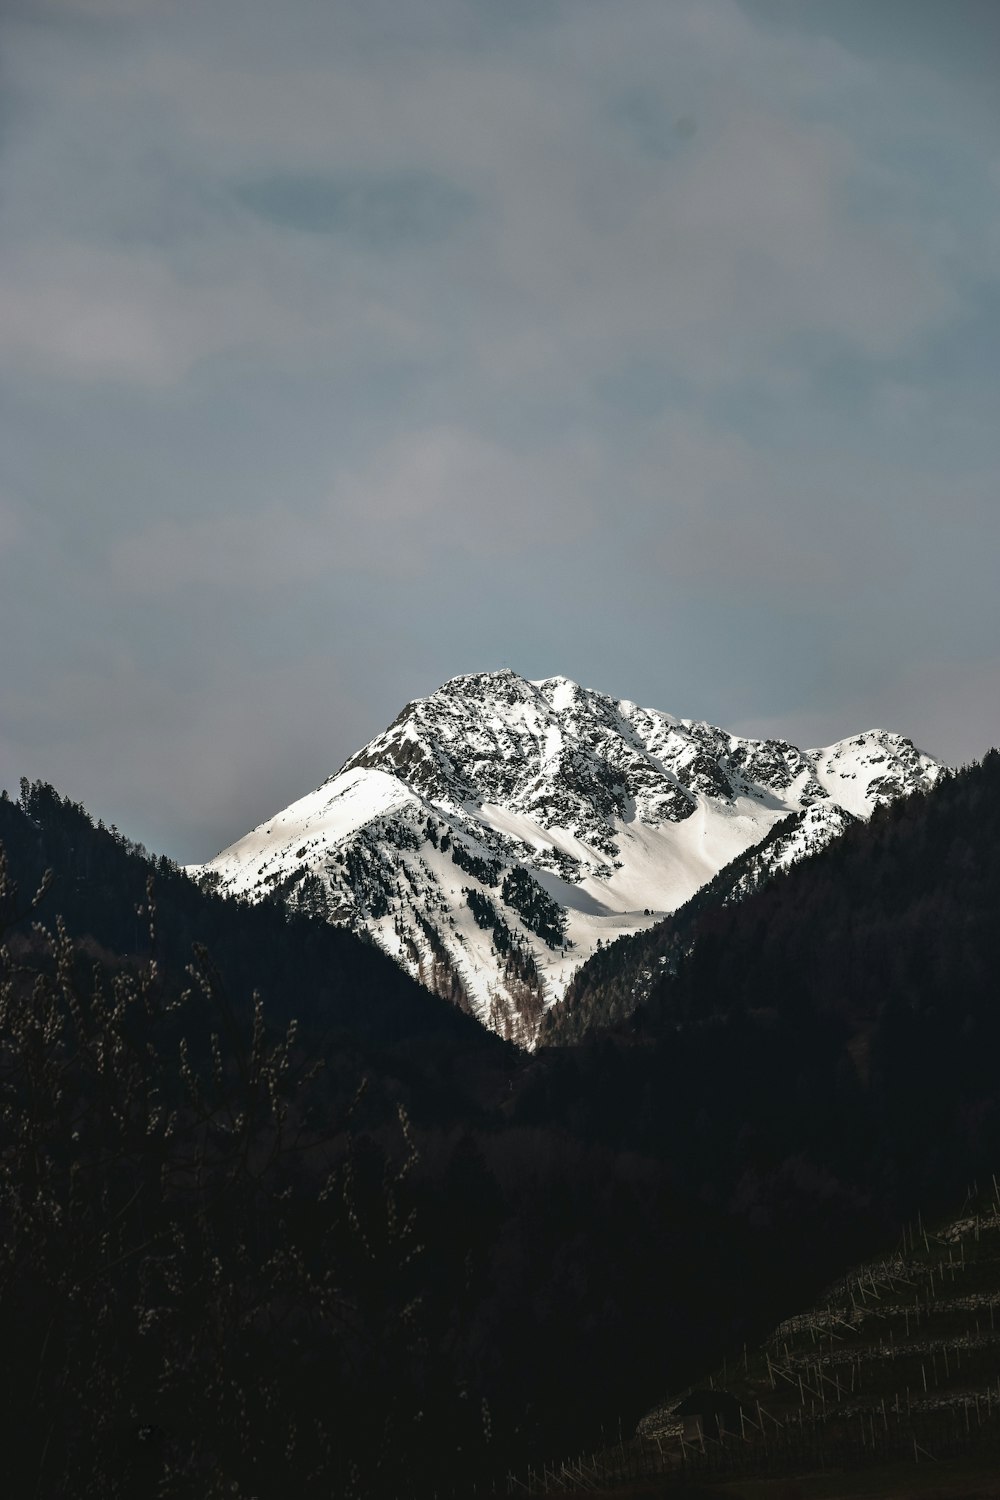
column 501, row 829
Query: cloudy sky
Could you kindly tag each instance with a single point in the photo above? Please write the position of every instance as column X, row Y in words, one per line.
column 347, row 345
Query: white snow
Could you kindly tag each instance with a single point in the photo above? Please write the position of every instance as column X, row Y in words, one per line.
column 321, row 819
column 619, row 814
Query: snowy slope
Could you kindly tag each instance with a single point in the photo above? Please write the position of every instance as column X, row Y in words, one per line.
column 609, row 986
column 500, row 829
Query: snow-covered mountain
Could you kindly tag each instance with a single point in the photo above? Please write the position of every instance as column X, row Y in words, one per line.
column 500, row 830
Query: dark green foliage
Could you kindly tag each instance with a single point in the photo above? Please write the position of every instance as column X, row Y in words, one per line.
column 311, row 895
column 536, row 909
column 482, row 908
column 520, row 965
column 366, row 877
column 433, row 937
column 487, row 871
column 440, row 975
column 523, row 982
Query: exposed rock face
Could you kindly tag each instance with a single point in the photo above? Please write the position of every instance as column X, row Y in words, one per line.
column 499, row 830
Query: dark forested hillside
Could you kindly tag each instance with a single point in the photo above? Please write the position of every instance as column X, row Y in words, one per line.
column 301, row 1244
column 619, row 977
column 378, row 1252
column 912, row 848
column 832, row 1034
column 306, row 969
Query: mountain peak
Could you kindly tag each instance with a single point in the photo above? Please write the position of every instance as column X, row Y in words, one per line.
column 503, row 681
column 500, row 829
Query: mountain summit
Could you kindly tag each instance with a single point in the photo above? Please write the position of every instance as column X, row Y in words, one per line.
column 500, row 830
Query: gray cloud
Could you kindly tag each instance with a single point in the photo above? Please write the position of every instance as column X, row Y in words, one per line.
column 347, row 347
column 745, row 237
column 436, row 492
column 389, row 213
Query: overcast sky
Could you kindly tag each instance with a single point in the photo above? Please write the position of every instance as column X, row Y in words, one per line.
column 348, row 345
